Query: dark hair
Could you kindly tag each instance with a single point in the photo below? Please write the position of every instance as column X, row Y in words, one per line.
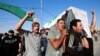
column 35, row 23
column 42, row 31
column 59, row 20
column 74, row 22
column 11, row 31
column 47, row 29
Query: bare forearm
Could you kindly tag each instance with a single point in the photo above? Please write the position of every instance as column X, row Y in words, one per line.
column 93, row 23
column 93, row 20
column 58, row 42
column 21, row 22
column 64, row 43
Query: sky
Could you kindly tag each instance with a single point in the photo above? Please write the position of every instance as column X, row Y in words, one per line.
column 50, row 9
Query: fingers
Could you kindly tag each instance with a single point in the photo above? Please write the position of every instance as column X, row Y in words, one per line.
column 64, row 32
column 29, row 13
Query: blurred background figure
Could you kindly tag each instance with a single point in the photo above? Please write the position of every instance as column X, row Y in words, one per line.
column 10, row 44
column 95, row 35
column 44, row 41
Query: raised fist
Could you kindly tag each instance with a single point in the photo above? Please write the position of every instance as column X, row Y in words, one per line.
column 93, row 12
column 29, row 14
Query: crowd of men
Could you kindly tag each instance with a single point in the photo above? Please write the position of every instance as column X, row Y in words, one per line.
column 56, row 41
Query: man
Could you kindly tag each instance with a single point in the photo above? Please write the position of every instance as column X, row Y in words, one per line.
column 32, row 39
column 10, row 44
column 92, row 28
column 76, row 40
column 44, row 42
column 56, row 37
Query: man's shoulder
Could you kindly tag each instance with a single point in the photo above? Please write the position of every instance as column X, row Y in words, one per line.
column 27, row 32
column 53, row 27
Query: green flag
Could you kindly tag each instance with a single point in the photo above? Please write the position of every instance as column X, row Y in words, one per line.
column 14, row 10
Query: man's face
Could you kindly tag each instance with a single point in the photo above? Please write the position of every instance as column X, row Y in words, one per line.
column 46, row 31
column 11, row 34
column 78, row 28
column 61, row 24
column 35, row 28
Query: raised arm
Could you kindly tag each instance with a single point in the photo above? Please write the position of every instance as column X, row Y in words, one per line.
column 93, row 23
column 18, row 27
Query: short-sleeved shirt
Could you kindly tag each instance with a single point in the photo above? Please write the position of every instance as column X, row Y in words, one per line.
column 10, row 45
column 32, row 44
column 50, row 50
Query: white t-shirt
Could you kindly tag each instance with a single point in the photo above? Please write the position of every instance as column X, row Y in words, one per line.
column 32, row 44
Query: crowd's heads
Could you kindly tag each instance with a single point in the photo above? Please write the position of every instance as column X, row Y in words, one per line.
column 76, row 25
column 35, row 27
column 60, row 23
